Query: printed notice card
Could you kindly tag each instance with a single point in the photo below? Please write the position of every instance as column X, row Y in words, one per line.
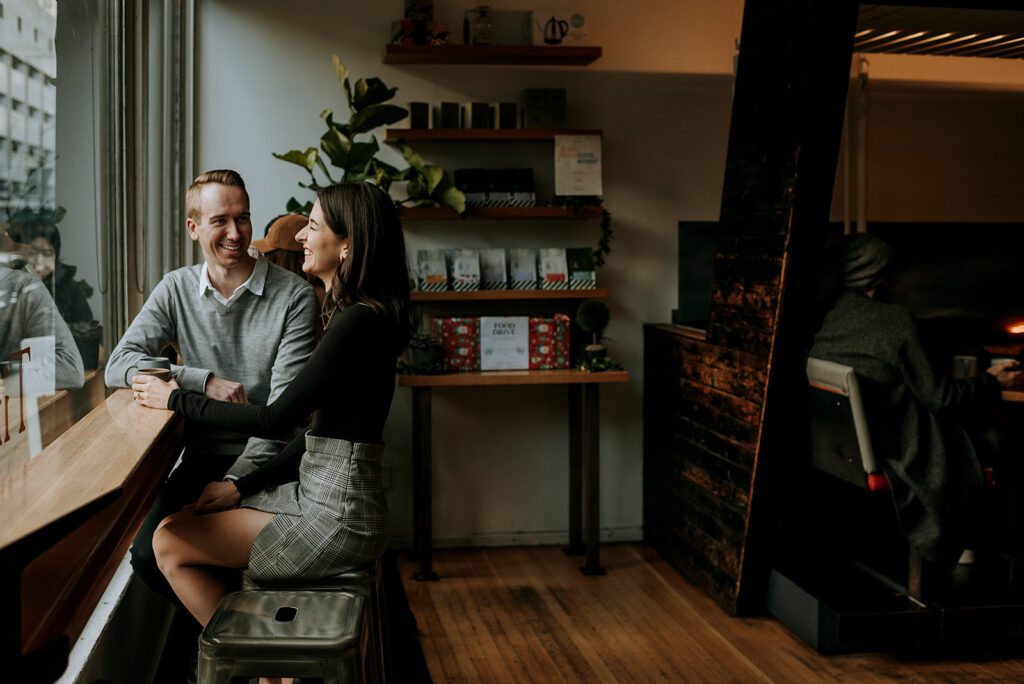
column 504, row 342
column 578, row 165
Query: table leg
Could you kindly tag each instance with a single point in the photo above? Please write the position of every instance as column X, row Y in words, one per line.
column 422, row 496
column 592, row 477
column 575, row 546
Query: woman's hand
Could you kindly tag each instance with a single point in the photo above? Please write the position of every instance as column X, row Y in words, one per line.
column 218, row 496
column 1006, row 373
column 152, row 392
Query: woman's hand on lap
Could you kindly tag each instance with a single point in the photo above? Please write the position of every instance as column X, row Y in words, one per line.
column 218, row 496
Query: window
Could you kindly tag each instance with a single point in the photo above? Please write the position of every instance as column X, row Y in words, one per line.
column 73, row 264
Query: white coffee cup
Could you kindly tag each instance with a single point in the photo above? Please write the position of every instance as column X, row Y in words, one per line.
column 1000, row 361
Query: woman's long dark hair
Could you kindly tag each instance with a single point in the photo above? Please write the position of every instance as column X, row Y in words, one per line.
column 375, row 272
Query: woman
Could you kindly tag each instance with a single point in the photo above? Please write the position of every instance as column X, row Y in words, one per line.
column 914, row 413
column 334, row 517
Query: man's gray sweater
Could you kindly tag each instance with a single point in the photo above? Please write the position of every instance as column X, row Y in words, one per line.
column 260, row 341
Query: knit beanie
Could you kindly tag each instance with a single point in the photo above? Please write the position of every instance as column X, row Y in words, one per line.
column 863, row 261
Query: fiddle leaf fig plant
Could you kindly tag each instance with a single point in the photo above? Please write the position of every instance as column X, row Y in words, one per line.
column 357, row 159
column 428, row 185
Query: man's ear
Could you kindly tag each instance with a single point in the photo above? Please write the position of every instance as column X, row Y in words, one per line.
column 192, row 228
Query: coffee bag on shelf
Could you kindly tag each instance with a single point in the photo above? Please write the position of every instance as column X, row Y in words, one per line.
column 463, row 269
column 522, row 268
column 580, row 261
column 493, row 273
column 552, row 271
column 432, row 274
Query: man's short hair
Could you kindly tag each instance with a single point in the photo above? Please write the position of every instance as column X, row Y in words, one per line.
column 193, row 204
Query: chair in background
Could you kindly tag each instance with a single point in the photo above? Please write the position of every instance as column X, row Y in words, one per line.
column 818, row 587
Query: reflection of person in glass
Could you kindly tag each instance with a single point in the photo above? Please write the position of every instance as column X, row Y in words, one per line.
column 72, row 296
column 27, row 311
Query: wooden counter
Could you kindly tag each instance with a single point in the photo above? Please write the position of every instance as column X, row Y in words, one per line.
column 68, row 518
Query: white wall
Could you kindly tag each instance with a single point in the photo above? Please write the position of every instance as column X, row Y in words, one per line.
column 662, row 96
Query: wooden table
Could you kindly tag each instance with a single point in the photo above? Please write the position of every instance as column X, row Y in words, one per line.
column 584, row 473
column 68, row 517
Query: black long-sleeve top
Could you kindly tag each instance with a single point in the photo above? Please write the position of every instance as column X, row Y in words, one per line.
column 348, row 384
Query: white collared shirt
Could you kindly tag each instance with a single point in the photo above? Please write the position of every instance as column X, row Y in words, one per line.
column 257, row 279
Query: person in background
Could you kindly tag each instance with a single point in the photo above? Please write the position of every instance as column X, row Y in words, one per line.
column 71, row 296
column 913, row 411
column 27, row 311
column 335, row 517
column 243, row 328
column 280, row 247
column 43, row 240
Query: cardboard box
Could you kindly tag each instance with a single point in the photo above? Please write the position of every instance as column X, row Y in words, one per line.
column 460, row 337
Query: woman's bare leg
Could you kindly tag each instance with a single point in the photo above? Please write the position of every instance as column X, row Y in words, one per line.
column 184, row 543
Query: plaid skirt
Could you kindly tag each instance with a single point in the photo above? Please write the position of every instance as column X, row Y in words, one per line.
column 334, row 519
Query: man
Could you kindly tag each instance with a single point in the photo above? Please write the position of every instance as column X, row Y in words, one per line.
column 243, row 328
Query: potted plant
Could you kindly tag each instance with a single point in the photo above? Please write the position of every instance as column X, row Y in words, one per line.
column 425, row 350
column 592, row 317
column 367, row 99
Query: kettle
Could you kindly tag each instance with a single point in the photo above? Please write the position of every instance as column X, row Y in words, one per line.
column 555, row 30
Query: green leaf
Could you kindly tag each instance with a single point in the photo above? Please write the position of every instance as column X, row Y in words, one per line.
column 408, row 173
column 414, row 160
column 336, row 146
column 342, row 72
column 387, row 167
column 375, row 115
column 433, row 175
column 304, row 159
column 370, row 91
column 360, row 155
column 328, row 116
column 452, row 197
column 417, row 188
column 293, row 207
column 323, row 167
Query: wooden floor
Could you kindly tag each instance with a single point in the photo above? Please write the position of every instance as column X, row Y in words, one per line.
column 528, row 614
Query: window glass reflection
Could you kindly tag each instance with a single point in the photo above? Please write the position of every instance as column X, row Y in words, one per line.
column 49, row 307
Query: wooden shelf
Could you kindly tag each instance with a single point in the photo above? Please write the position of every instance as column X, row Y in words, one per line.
column 496, row 295
column 435, row 213
column 491, row 54
column 393, row 135
column 513, row 377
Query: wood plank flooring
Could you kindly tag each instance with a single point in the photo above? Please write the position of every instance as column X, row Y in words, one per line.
column 527, row 614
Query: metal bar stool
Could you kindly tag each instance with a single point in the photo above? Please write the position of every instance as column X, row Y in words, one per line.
column 281, row 633
column 366, row 581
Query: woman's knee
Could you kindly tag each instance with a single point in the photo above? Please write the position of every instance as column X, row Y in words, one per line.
column 167, row 544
